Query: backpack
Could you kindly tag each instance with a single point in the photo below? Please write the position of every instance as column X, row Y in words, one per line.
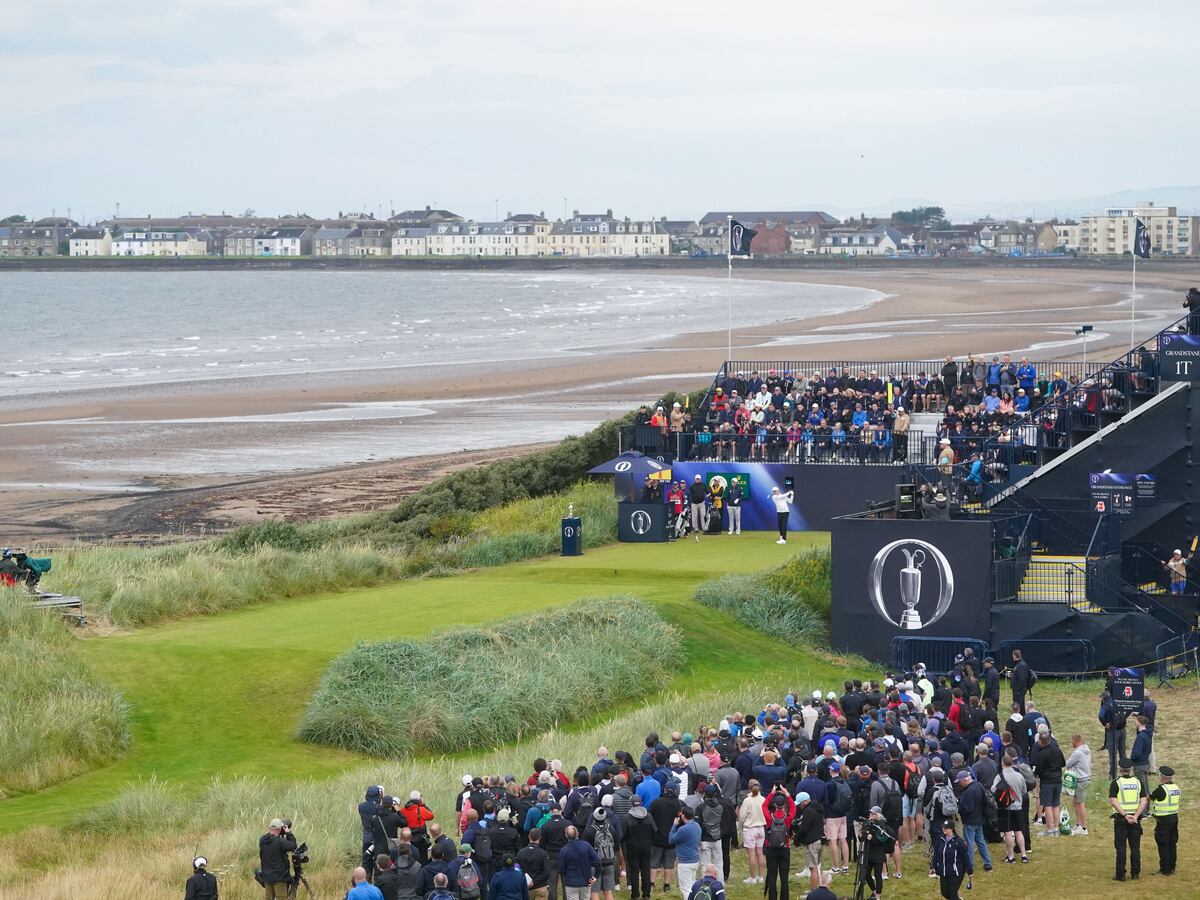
column 605, row 846
column 949, row 803
column 843, row 800
column 912, row 780
column 483, row 844
column 587, row 806
column 544, row 820
column 990, row 811
column 777, row 835
column 703, row 891
column 1027, row 774
column 468, row 881
column 1004, row 795
column 893, row 806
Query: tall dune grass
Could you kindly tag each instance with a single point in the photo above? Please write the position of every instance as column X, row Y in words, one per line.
column 482, row 686
column 755, row 602
column 57, row 718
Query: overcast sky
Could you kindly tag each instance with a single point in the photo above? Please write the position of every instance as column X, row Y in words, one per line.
column 651, row 108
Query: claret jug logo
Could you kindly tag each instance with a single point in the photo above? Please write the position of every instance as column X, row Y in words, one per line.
column 897, row 596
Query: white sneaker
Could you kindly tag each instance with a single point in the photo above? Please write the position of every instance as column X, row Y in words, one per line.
column 803, row 873
column 1079, row 829
column 748, row 880
column 781, row 541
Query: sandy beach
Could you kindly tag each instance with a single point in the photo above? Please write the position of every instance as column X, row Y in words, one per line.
column 138, row 463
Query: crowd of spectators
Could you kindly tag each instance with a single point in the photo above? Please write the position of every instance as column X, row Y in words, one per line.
column 914, row 771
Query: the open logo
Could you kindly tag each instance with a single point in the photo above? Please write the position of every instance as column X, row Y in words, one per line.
column 916, row 555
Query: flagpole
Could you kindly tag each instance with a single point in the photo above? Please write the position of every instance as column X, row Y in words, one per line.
column 1133, row 295
column 729, row 289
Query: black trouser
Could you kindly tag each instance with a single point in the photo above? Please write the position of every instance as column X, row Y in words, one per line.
column 899, row 446
column 1124, row 833
column 556, row 878
column 950, row 885
column 779, row 860
column 875, row 876
column 1025, row 823
column 637, row 871
column 1114, row 742
column 1166, row 835
column 726, row 855
column 781, row 519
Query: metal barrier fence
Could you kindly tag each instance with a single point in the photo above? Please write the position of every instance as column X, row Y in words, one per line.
column 806, row 368
column 1060, row 656
column 850, row 448
column 936, row 653
column 1178, row 656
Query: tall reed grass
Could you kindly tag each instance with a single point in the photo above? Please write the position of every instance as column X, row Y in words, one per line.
column 482, row 686
column 57, row 717
column 754, row 602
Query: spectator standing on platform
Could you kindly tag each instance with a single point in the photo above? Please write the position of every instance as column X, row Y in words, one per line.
column 781, row 501
column 1176, row 566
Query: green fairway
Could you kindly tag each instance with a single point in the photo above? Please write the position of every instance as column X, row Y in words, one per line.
column 222, row 695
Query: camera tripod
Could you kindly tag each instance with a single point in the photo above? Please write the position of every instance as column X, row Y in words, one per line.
column 297, row 880
column 860, row 864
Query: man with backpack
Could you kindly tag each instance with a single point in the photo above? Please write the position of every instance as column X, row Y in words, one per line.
column 886, row 794
column 911, row 801
column 779, row 810
column 468, row 877
column 1048, row 763
column 709, row 887
column 441, row 889
column 479, row 837
column 972, row 807
column 1012, row 794
column 838, row 805
column 604, row 834
column 712, row 813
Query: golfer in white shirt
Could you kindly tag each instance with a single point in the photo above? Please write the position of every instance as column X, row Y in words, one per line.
column 781, row 501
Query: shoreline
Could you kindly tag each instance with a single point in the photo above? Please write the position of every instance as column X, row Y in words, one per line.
column 162, row 437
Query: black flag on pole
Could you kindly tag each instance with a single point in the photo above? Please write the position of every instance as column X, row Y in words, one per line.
column 739, row 238
column 1141, row 240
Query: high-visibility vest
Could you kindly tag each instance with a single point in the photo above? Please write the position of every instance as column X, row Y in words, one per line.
column 1129, row 795
column 1168, row 805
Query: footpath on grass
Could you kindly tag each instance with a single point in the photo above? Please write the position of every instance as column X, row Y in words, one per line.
column 222, row 695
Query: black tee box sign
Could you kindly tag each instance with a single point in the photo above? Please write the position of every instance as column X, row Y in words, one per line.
column 1128, row 691
column 911, row 578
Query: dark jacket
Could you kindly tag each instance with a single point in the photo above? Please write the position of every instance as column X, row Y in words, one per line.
column 1047, row 762
column 432, row 870
column 809, row 825
column 1022, row 678
column 640, row 833
column 508, row 884
column 970, row 804
column 663, row 811
column 201, row 886
column 991, row 685
column 577, row 862
column 535, row 862
column 400, row 881
column 554, row 835
column 950, row 858
column 273, row 852
column 1139, row 753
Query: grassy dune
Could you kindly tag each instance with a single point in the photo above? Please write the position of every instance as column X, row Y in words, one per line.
column 57, row 718
column 488, row 685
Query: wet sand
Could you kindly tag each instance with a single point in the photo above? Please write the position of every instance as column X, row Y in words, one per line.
column 203, row 456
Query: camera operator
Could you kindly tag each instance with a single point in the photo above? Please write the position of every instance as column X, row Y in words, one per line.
column 274, row 859
column 202, row 885
column 881, row 841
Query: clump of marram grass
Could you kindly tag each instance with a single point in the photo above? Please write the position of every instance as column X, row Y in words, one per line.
column 483, row 686
column 756, row 603
column 57, row 718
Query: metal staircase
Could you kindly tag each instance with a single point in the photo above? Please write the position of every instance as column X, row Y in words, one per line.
column 1057, row 579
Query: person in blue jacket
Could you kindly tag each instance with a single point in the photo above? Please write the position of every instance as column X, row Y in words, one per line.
column 951, row 861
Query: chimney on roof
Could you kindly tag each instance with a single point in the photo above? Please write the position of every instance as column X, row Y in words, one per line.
column 608, row 212
column 428, row 208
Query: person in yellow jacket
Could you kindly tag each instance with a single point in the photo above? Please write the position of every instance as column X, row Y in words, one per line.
column 1127, row 796
column 1164, row 806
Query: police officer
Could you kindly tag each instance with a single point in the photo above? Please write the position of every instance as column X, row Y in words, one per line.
column 1128, row 799
column 1165, row 808
column 203, row 884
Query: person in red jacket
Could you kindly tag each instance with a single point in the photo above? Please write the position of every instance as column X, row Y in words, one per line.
column 779, row 809
column 418, row 816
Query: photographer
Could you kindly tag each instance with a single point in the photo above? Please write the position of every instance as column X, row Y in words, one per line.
column 202, row 885
column 881, row 841
column 779, row 810
column 274, row 852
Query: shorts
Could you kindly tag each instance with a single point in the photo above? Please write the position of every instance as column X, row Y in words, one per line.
column 835, row 829
column 1081, row 789
column 1009, row 820
column 812, row 855
column 662, row 857
column 607, row 880
column 754, row 837
column 1050, row 794
column 539, row 893
column 911, row 806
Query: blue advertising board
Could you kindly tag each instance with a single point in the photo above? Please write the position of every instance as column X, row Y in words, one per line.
column 1179, row 357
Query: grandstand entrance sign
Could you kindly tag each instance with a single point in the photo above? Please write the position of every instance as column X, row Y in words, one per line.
column 1121, row 493
column 1179, row 357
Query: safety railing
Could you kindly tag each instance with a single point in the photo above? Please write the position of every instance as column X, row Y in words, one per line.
column 1178, row 657
column 804, row 447
column 937, row 654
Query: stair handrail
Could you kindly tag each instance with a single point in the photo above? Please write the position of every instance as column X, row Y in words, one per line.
column 1148, row 600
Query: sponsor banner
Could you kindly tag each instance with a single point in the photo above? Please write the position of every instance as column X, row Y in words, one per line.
column 912, row 578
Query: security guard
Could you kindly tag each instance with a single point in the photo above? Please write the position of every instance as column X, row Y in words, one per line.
column 1128, row 799
column 1165, row 808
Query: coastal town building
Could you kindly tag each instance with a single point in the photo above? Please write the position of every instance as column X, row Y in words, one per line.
column 91, row 242
column 426, row 217
column 787, row 217
column 602, row 234
column 334, row 241
column 158, row 243
column 410, row 241
column 850, row 240
column 283, row 242
column 1068, row 234
column 526, row 236
column 1111, row 233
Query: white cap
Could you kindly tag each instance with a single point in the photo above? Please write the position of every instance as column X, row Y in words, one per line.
column 831, row 696
column 198, row 862
column 556, row 765
column 675, row 759
column 467, row 780
column 887, row 682
column 606, row 800
column 415, row 795
column 816, row 695
column 1178, row 553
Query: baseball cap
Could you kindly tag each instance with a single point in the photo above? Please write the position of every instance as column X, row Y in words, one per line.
column 964, row 775
column 803, row 797
column 466, row 849
column 876, row 811
column 711, row 790
column 415, row 795
column 200, row 861
column 276, row 823
column 466, row 780
column 675, row 759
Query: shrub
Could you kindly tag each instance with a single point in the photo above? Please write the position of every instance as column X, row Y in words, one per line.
column 754, row 602
column 483, row 686
column 806, row 576
column 57, row 718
